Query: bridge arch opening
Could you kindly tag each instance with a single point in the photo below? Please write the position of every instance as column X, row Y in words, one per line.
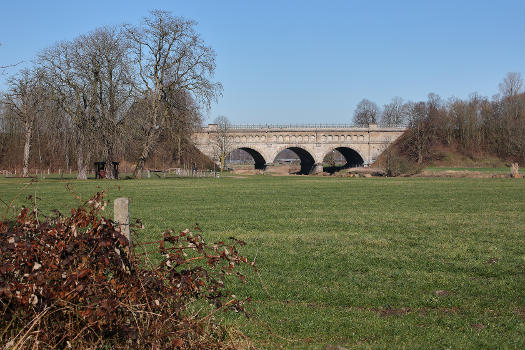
column 242, row 156
column 341, row 158
column 302, row 156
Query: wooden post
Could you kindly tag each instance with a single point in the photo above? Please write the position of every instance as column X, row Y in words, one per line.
column 121, row 216
column 514, row 170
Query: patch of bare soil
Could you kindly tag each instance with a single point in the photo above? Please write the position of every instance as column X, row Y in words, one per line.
column 360, row 172
column 335, row 347
column 390, row 311
column 247, row 171
column 478, row 326
column 356, row 172
column 492, row 260
column 283, row 170
column 442, row 292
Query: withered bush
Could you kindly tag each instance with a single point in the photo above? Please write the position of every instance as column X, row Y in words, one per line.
column 73, row 282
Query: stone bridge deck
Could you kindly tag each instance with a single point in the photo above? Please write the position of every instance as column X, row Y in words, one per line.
column 311, row 143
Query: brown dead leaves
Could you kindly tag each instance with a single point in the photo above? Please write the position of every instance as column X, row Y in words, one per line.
column 75, row 275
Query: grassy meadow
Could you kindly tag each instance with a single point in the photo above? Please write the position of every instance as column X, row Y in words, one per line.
column 357, row 263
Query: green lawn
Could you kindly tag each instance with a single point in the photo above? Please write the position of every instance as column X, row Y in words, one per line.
column 367, row 263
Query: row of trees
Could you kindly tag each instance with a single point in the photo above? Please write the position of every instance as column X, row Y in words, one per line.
column 114, row 93
column 473, row 126
column 394, row 114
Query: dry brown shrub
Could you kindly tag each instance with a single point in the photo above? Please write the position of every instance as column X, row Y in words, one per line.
column 70, row 282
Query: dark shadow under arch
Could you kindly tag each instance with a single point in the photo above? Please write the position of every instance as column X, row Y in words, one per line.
column 307, row 161
column 353, row 159
column 260, row 162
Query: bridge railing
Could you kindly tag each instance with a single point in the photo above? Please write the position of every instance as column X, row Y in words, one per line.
column 292, row 126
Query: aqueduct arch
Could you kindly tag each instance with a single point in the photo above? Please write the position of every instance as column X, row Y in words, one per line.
column 352, row 157
column 305, row 157
column 258, row 158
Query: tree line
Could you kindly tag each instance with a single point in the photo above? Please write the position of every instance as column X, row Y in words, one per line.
column 129, row 92
column 475, row 126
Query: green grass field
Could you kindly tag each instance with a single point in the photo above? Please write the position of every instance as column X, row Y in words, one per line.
column 361, row 263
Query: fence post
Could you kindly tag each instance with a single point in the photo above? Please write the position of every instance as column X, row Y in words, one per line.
column 514, row 170
column 121, row 216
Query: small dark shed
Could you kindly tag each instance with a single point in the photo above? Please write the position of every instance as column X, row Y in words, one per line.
column 100, row 173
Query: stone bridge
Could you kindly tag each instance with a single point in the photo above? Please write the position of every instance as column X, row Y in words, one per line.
column 360, row 146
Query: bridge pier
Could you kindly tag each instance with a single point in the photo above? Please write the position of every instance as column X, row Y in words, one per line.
column 317, row 168
column 268, row 167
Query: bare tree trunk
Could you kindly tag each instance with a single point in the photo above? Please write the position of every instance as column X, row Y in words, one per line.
column 82, row 168
column 109, row 168
column 179, row 150
column 81, row 161
column 150, row 139
column 137, row 173
column 67, row 158
column 27, row 146
column 223, row 156
column 146, row 149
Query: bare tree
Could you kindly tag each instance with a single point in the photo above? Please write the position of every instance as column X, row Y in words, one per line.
column 109, row 71
column 511, row 117
column 64, row 67
column 222, row 142
column 394, row 113
column 90, row 79
column 183, row 119
column 511, row 84
column 26, row 99
column 366, row 113
column 418, row 134
column 170, row 56
column 466, row 115
column 330, row 159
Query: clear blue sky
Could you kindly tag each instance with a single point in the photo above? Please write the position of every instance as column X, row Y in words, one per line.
column 309, row 61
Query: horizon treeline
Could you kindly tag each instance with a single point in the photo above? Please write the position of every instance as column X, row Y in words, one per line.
column 135, row 94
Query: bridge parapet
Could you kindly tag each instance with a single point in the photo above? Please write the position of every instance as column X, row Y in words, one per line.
column 300, row 127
